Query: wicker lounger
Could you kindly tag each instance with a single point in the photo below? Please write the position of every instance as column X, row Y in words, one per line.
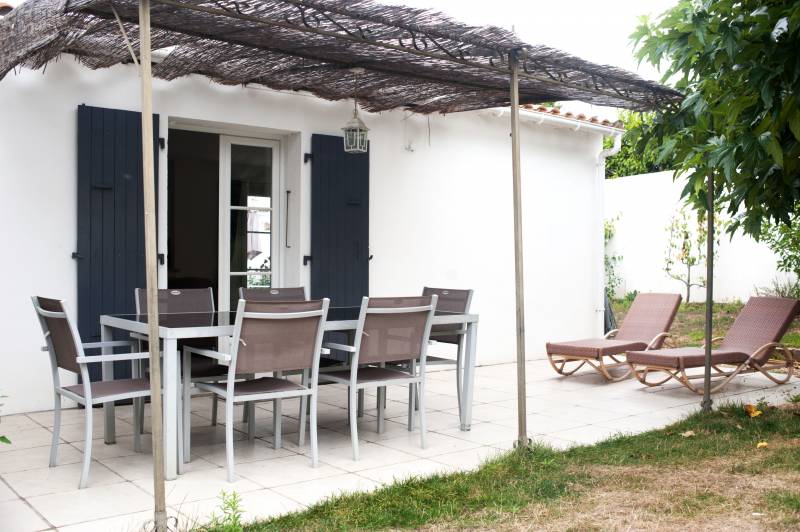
column 645, row 327
column 747, row 348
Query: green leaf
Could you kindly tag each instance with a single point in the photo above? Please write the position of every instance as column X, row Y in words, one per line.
column 772, row 147
column 794, row 123
column 4, row 439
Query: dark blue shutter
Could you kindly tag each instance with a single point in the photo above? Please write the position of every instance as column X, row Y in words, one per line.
column 110, row 252
column 339, row 222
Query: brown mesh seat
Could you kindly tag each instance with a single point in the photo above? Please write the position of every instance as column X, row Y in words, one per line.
column 110, row 389
column 645, row 327
column 273, row 294
column 67, row 353
column 593, row 348
column 748, row 347
column 390, row 330
column 269, row 337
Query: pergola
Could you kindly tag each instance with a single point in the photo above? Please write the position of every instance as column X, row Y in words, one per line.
column 413, row 59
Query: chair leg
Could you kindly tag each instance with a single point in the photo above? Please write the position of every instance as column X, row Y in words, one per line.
column 56, row 430
column 137, row 427
column 361, row 402
column 301, row 433
column 250, row 408
column 313, row 429
column 459, row 367
column 423, row 429
column 229, row 437
column 381, row 413
column 214, row 405
column 187, row 408
column 412, row 395
column 277, row 414
column 87, row 446
column 246, row 412
column 353, row 396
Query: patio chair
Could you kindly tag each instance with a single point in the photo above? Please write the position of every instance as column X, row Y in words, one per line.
column 182, row 301
column 67, row 353
column 390, row 329
column 748, row 347
column 450, row 300
column 646, row 326
column 273, row 294
column 269, row 337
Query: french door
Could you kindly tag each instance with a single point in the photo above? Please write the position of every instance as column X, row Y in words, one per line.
column 248, row 198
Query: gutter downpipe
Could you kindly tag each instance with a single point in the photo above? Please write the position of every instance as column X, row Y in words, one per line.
column 600, row 178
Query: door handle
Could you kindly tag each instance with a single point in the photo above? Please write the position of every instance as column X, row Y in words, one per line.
column 306, row 259
column 77, row 256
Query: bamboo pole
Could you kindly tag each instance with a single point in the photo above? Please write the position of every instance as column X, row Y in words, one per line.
column 160, row 514
column 519, row 275
column 707, row 402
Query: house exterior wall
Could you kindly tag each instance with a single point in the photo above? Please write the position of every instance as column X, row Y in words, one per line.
column 644, row 206
column 440, row 214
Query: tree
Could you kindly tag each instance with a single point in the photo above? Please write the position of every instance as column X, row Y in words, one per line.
column 686, row 247
column 784, row 240
column 613, row 280
column 737, row 63
column 628, row 161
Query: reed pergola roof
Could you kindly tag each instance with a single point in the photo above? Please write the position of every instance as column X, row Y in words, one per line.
column 415, row 59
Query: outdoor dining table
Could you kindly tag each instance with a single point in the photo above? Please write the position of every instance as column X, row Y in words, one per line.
column 174, row 327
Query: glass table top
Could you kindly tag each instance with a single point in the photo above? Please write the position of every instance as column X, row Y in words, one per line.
column 223, row 319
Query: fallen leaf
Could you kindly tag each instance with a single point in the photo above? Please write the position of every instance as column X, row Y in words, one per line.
column 752, row 410
column 688, row 434
column 762, row 445
column 739, row 427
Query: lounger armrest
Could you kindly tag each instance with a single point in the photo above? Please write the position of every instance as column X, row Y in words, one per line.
column 655, row 341
column 715, row 340
column 222, row 357
column 611, row 333
column 112, row 358
column 787, row 353
column 115, row 343
column 340, row 347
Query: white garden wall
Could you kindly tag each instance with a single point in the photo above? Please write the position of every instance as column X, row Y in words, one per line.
column 645, row 205
column 440, row 214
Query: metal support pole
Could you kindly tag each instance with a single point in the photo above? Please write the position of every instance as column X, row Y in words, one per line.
column 707, row 402
column 160, row 515
column 519, row 272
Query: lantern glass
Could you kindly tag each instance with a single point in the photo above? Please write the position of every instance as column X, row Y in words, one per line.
column 356, row 137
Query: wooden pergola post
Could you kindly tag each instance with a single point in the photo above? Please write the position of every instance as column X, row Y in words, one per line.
column 148, row 176
column 707, row 402
column 519, row 272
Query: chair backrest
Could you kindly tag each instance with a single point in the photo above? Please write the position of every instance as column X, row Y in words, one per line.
column 449, row 300
column 273, row 294
column 277, row 336
column 649, row 316
column 61, row 336
column 177, row 300
column 394, row 328
column 762, row 320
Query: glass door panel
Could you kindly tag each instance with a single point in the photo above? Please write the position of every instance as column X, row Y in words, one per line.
column 246, row 242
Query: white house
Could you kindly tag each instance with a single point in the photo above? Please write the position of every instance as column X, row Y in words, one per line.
column 439, row 203
column 254, row 187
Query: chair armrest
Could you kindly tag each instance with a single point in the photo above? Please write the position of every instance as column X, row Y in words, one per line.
column 611, row 333
column 656, row 339
column 222, row 357
column 115, row 343
column 454, row 332
column 325, row 351
column 112, row 358
column 713, row 340
column 140, row 336
column 340, row 347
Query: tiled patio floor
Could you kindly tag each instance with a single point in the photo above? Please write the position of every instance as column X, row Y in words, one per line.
column 561, row 412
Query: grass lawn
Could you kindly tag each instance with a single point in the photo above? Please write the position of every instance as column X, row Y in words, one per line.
column 706, row 472
column 688, row 327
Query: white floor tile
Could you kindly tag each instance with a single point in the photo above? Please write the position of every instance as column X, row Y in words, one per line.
column 370, row 455
column 436, row 444
column 60, row 479
column 199, row 485
column 399, row 472
column 469, row 459
column 36, row 457
column 19, row 517
column 91, row 503
column 288, row 470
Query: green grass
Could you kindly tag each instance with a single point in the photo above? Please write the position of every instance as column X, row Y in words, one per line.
column 507, row 485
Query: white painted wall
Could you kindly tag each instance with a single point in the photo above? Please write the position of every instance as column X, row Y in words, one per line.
column 440, row 215
column 645, row 205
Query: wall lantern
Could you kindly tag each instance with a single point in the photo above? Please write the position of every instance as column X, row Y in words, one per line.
column 355, row 131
